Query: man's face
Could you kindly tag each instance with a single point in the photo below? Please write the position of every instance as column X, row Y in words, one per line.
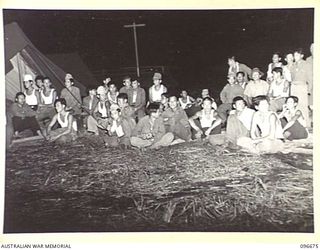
column 184, row 94
column 239, row 105
column 46, row 83
column 122, row 102
column 255, row 76
column 276, row 75
column 173, row 102
column 21, row 99
column 115, row 114
column 135, row 84
column 40, row 83
column 68, row 83
column 93, row 92
column 27, row 84
column 112, row 88
column 155, row 114
column 297, row 56
column 59, row 107
column 231, row 62
column 275, row 58
column 207, row 105
column 205, row 93
column 127, row 82
column 240, row 78
column 156, row 81
column 231, row 79
column 290, row 103
column 289, row 58
column 263, row 106
column 164, row 99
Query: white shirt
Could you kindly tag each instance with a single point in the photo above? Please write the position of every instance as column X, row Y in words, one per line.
column 246, row 117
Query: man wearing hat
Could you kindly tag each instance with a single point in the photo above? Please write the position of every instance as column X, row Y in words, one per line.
column 256, row 86
column 157, row 89
column 32, row 96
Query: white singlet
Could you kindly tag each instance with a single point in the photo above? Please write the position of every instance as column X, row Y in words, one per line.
column 205, row 121
column 47, row 99
column 31, row 99
column 65, row 123
column 184, row 104
column 156, row 94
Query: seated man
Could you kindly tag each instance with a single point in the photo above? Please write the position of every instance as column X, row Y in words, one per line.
column 239, row 120
column 176, row 120
column 100, row 115
column 164, row 104
column 119, row 130
column 150, row 130
column 68, row 130
column 292, row 120
column 206, row 121
column 23, row 117
column 230, row 91
column 185, row 100
column 278, row 91
column 205, row 93
column 127, row 112
column 266, row 130
column 48, row 96
column 137, row 99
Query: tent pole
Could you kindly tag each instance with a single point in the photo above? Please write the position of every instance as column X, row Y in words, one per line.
column 19, row 70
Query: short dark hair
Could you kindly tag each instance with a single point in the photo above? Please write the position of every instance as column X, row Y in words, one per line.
column 123, row 96
column 126, row 77
column 231, row 57
column 276, row 53
column 39, row 77
column 240, row 73
column 165, row 94
column 153, row 107
column 239, row 98
column 295, row 98
column 61, row 100
column 19, row 94
column 46, row 78
column 278, row 70
column 256, row 100
column 207, row 99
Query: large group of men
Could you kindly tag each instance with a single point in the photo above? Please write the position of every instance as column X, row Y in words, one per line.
column 253, row 114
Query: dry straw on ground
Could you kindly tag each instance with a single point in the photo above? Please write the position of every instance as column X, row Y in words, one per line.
column 84, row 186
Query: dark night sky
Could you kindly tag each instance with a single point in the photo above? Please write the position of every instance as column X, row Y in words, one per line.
column 193, row 44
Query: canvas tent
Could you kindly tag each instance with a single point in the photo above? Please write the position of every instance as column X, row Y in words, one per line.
column 22, row 57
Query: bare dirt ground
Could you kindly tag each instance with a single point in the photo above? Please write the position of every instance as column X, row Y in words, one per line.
column 85, row 187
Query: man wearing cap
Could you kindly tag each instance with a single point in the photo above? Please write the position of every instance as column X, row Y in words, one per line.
column 235, row 67
column 157, row 89
column 32, row 96
column 72, row 96
column 256, row 86
column 127, row 85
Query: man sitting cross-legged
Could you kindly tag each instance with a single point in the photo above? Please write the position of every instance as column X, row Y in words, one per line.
column 176, row 121
column 68, row 130
column 150, row 130
column 206, row 121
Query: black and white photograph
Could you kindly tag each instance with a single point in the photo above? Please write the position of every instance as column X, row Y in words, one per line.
column 158, row 120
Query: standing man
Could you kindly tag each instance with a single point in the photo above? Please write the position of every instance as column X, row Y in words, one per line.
column 235, row 67
column 301, row 83
column 137, row 99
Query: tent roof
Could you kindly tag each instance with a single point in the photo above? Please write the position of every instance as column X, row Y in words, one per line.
column 73, row 63
column 17, row 42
